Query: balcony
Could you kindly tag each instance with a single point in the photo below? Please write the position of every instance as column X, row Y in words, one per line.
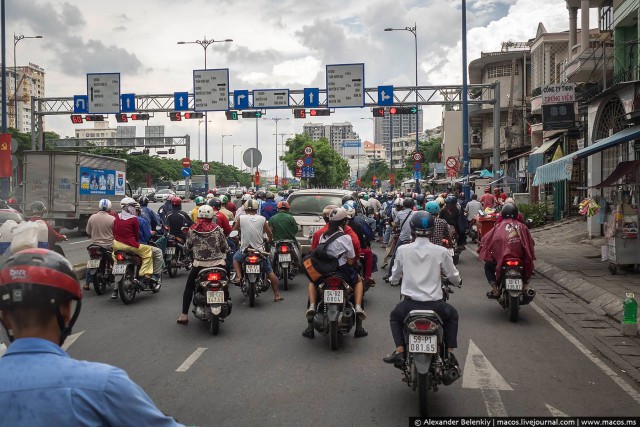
column 586, row 66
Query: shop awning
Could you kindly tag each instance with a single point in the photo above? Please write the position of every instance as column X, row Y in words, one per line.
column 629, row 172
column 560, row 170
column 536, row 158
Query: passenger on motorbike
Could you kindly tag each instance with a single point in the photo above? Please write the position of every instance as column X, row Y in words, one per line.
column 420, row 265
column 285, row 227
column 178, row 219
column 223, row 209
column 194, row 212
column 440, row 228
column 508, row 239
column 364, row 239
column 37, row 211
column 221, row 219
column 100, row 231
column 209, row 246
column 145, row 235
column 149, row 214
column 403, row 227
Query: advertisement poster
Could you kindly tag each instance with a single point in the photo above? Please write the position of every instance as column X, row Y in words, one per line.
column 120, row 182
column 97, row 181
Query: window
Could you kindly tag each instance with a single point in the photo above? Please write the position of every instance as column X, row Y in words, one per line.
column 501, row 71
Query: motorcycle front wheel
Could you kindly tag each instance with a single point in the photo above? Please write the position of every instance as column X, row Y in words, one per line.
column 333, row 335
column 127, row 287
column 214, row 325
column 423, row 394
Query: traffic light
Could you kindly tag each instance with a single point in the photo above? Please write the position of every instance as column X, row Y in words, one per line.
column 172, row 151
column 319, row 113
column 251, row 114
column 378, row 112
column 393, row 110
column 175, row 116
column 122, row 118
column 140, row 116
column 94, row 118
column 231, row 115
column 76, row 119
column 145, row 151
column 193, row 115
column 403, row 110
column 299, row 113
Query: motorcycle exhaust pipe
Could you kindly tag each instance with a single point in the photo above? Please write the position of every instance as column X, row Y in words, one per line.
column 528, row 296
column 346, row 318
column 450, row 375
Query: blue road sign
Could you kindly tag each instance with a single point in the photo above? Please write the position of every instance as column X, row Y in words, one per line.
column 351, row 144
column 308, row 172
column 80, row 104
column 128, row 102
column 417, row 175
column 186, row 172
column 385, row 95
column 311, row 97
column 417, row 166
column 181, row 101
column 308, row 161
column 240, row 99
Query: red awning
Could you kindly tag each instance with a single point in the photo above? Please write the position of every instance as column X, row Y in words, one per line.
column 629, row 172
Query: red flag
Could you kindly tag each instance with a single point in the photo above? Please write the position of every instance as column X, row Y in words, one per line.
column 5, row 155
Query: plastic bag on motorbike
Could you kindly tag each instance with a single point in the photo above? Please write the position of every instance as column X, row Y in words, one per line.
column 28, row 235
column 6, row 235
column 318, row 263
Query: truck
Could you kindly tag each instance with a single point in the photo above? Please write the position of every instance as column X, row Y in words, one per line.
column 196, row 187
column 70, row 184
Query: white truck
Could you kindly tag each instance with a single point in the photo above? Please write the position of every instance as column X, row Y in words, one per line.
column 70, row 184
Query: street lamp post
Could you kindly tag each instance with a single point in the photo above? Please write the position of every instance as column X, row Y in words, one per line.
column 16, row 39
column 222, row 148
column 234, row 153
column 199, row 123
column 413, row 30
column 277, row 119
column 282, row 135
column 205, row 44
column 374, row 142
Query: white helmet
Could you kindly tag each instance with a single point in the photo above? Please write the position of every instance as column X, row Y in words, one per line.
column 104, row 205
column 398, row 201
column 246, row 197
column 128, row 201
column 349, row 206
column 205, row 211
column 210, row 196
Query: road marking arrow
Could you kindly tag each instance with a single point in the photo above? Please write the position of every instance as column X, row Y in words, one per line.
column 70, row 340
column 555, row 412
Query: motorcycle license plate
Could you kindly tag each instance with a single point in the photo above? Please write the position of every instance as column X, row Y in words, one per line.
column 252, row 268
column 284, row 258
column 314, row 228
column 170, row 251
column 451, row 251
column 119, row 269
column 93, row 263
column 333, row 297
column 423, row 343
column 514, row 284
column 215, row 297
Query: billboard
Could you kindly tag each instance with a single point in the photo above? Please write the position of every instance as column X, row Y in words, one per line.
column 104, row 182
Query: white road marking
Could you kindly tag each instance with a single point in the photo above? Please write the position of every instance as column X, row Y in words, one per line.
column 81, row 241
column 479, row 373
column 599, row 363
column 555, row 412
column 3, row 348
column 191, row 359
column 70, row 340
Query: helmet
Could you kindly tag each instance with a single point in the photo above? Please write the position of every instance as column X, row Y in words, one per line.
column 214, row 191
column 128, row 201
column 245, row 197
column 210, row 196
column 350, row 208
column 366, row 197
column 487, row 189
column 422, row 223
column 430, row 197
column 398, row 201
column 440, row 200
column 40, row 278
column 104, row 205
column 205, row 211
column 283, row 205
column 144, row 200
column 509, row 210
column 451, row 200
column 176, row 202
column 224, row 199
column 215, row 203
column 346, row 198
column 338, row 214
column 251, row 205
column 510, row 200
column 432, row 207
column 199, row 201
column 408, row 203
column 238, row 194
column 327, row 210
column 38, row 207
column 420, row 198
column 270, row 195
column 260, row 194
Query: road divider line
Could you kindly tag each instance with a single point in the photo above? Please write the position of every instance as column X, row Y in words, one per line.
column 70, row 340
column 191, row 359
column 584, row 350
column 81, row 241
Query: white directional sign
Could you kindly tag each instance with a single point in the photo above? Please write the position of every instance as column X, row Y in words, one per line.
column 103, row 91
column 270, row 98
column 345, row 85
column 211, row 89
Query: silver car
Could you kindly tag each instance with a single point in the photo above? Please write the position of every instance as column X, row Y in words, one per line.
column 306, row 206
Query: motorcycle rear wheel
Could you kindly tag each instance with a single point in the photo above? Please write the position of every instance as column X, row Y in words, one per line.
column 126, row 287
column 423, row 394
column 252, row 294
column 285, row 277
column 333, row 335
column 98, row 283
column 513, row 309
column 172, row 268
column 214, row 325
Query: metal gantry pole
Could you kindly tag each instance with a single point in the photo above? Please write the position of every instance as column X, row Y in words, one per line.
column 415, row 36
column 496, row 130
column 465, row 108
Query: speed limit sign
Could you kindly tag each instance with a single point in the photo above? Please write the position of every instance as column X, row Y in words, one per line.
column 417, row 157
column 308, row 150
column 299, row 163
column 205, row 167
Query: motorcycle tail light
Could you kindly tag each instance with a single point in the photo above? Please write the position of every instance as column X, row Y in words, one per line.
column 171, row 243
column 120, row 257
column 445, row 241
column 95, row 253
column 213, row 277
column 513, row 263
column 422, row 326
column 252, row 259
column 333, row 283
column 284, row 249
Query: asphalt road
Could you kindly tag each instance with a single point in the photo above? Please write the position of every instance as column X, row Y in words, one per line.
column 260, row 370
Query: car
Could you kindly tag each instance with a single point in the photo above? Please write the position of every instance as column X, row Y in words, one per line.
column 181, row 190
column 146, row 191
column 161, row 195
column 306, row 206
column 7, row 214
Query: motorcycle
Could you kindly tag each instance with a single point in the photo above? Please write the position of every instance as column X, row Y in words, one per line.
column 510, row 292
column 472, row 230
column 283, row 266
column 452, row 249
column 428, row 363
column 335, row 310
column 211, row 297
column 100, row 266
column 175, row 256
column 125, row 272
column 254, row 279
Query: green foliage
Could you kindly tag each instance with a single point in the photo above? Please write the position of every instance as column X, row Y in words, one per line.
column 431, row 150
column 24, row 141
column 379, row 168
column 330, row 168
column 535, row 212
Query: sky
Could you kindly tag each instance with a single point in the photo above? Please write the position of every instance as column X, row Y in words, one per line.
column 276, row 44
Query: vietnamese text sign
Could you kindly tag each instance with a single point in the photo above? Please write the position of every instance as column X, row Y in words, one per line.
column 560, row 93
column 271, row 98
column 211, row 89
column 103, row 91
column 345, row 85
column 101, row 181
column 351, row 144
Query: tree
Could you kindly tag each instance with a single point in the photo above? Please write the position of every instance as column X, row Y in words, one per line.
column 330, row 168
column 377, row 167
column 431, row 150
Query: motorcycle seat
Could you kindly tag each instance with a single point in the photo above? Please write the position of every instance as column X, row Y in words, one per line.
column 137, row 260
column 414, row 314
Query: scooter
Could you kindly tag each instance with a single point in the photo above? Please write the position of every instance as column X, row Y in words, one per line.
column 211, row 297
column 100, row 265
column 510, row 291
column 125, row 272
column 175, row 256
column 283, row 266
column 336, row 313
column 254, row 279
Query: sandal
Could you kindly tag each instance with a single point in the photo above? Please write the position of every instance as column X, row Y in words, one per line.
column 86, row 288
column 183, row 321
column 490, row 295
column 278, row 299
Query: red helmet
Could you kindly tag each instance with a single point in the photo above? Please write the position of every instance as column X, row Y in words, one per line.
column 176, row 201
column 283, row 205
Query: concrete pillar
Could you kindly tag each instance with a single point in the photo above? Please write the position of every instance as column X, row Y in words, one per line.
column 573, row 29
column 584, row 25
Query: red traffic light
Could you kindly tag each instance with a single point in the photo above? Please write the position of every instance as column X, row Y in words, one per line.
column 319, row 113
column 193, row 115
column 393, row 110
column 140, row 117
column 94, row 118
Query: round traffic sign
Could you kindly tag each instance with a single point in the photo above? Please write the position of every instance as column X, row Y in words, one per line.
column 299, row 163
column 452, row 162
column 186, row 162
column 308, row 150
column 417, row 166
column 417, row 157
column 308, row 161
column 205, row 167
column 252, row 157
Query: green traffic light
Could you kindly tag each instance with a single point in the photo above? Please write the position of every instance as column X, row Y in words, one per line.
column 414, row 110
column 258, row 113
column 234, row 115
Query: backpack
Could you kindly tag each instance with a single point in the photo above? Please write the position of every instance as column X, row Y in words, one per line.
column 318, row 263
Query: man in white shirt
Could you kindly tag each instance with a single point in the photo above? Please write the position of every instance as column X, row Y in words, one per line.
column 473, row 207
column 419, row 265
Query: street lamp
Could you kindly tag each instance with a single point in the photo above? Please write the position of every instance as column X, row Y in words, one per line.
column 374, row 141
column 16, row 39
column 413, row 30
column 222, row 148
column 234, row 153
column 205, row 44
column 277, row 119
column 282, row 135
column 199, row 123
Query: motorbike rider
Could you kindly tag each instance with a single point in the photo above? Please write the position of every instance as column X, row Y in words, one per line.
column 451, row 214
column 231, row 207
column 40, row 384
column 37, row 211
column 364, row 240
column 165, row 209
column 473, row 207
column 221, row 219
column 269, row 207
column 440, row 228
column 223, row 208
column 194, row 212
column 100, row 231
column 393, row 240
column 178, row 219
column 510, row 238
column 238, row 200
column 285, row 227
column 252, row 227
column 209, row 246
column 488, row 200
column 149, row 214
column 341, row 247
column 420, row 265
column 260, row 199
column 385, row 224
column 404, row 229
column 420, row 202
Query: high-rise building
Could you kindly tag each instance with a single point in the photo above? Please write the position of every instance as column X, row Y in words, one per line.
column 29, row 84
column 401, row 124
column 99, row 130
column 335, row 133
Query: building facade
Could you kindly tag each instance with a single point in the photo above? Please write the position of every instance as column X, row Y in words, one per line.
column 30, row 83
column 400, row 124
column 335, row 133
column 375, row 151
column 99, row 130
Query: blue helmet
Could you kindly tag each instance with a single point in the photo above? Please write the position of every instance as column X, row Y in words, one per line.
column 451, row 200
column 432, row 207
column 422, row 223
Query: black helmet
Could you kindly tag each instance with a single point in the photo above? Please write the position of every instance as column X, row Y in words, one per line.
column 260, row 195
column 346, row 198
column 420, row 198
column 421, row 223
column 40, row 278
column 451, row 200
column 215, row 203
column 38, row 206
column 144, row 201
column 269, row 195
column 509, row 210
column 408, row 202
